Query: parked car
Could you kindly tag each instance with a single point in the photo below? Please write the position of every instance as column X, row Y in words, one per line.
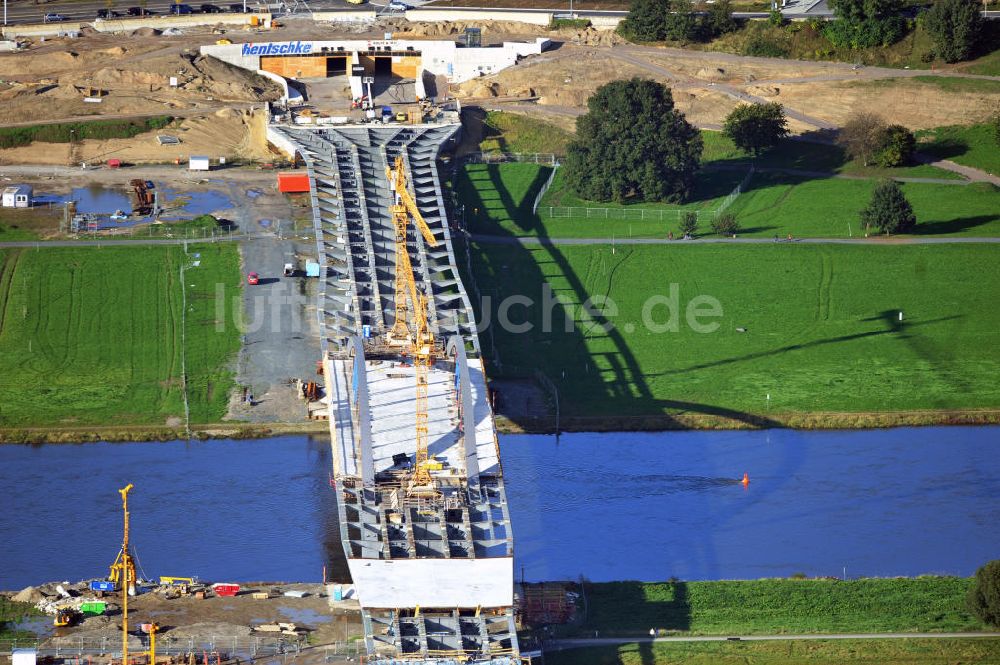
column 253, row 279
column 210, row 9
column 139, row 11
column 107, row 13
column 398, row 6
column 236, row 8
column 53, row 18
column 181, row 9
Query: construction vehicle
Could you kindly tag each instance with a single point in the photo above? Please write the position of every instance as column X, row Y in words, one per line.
column 65, row 616
column 421, row 344
column 123, row 571
column 170, row 581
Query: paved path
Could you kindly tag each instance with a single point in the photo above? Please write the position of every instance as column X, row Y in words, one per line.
column 893, row 240
column 559, row 645
column 975, row 175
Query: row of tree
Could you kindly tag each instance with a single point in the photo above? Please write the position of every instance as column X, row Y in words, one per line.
column 956, row 26
column 676, row 20
column 634, row 145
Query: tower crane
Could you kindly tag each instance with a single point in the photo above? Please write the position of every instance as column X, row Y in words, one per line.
column 421, row 342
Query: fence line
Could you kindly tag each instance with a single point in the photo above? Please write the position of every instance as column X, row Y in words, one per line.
column 545, row 188
column 253, row 645
column 502, row 157
column 642, row 214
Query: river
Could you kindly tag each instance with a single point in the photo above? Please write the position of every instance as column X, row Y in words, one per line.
column 605, row 506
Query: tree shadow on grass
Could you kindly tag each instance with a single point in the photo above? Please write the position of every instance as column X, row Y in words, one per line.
column 956, row 225
column 944, row 148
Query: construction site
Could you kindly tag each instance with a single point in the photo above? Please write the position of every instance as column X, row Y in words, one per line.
column 361, row 113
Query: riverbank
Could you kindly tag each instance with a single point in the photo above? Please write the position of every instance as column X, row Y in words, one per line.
column 140, row 434
column 515, row 424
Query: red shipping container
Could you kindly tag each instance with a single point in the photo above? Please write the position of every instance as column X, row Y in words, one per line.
column 293, row 182
column 114, row 163
column 226, row 589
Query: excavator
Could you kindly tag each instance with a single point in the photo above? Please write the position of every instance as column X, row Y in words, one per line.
column 420, row 344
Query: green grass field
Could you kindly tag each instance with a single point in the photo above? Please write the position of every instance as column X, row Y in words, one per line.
column 781, row 204
column 807, row 156
column 92, row 336
column 972, row 146
column 499, row 197
column 776, row 606
column 821, row 327
column 816, row 652
column 514, row 133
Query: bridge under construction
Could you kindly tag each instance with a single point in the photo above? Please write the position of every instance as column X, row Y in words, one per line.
column 423, row 510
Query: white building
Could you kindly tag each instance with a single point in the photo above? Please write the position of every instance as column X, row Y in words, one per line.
column 18, row 196
column 198, row 163
column 398, row 58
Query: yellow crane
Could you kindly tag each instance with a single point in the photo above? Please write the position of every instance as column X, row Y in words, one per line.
column 123, row 572
column 421, row 342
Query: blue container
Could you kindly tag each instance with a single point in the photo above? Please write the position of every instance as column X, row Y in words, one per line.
column 338, row 592
column 102, row 586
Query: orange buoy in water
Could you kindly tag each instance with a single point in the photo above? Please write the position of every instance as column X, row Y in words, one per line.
column 746, row 479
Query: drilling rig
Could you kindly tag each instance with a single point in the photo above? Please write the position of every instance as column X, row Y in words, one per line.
column 123, row 572
column 420, row 343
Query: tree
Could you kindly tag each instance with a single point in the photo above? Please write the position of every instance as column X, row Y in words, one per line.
column 680, row 23
column 755, row 128
column 984, row 596
column 861, row 134
column 956, row 27
column 689, row 223
column 865, row 23
column 645, row 21
column 888, row 211
column 719, row 20
column 726, row 224
column 632, row 144
column 895, row 146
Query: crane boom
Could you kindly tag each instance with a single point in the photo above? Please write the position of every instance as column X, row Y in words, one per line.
column 422, row 342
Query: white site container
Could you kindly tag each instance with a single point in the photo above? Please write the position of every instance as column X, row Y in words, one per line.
column 17, row 196
column 196, row 163
column 23, row 656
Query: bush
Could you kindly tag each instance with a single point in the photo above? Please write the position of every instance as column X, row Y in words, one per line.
column 984, row 596
column 868, row 33
column 760, row 46
column 896, row 146
column 12, row 137
column 726, row 225
column 573, row 23
column 689, row 223
column 776, row 18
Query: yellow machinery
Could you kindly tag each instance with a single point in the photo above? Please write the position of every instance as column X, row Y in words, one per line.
column 65, row 616
column 165, row 581
column 421, row 343
column 123, row 573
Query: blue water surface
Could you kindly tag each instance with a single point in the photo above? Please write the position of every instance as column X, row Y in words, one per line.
column 650, row 506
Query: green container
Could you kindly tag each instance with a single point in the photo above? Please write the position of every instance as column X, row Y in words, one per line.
column 92, row 609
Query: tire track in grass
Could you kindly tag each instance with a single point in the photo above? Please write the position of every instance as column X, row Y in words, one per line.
column 825, row 281
column 173, row 320
column 8, row 269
